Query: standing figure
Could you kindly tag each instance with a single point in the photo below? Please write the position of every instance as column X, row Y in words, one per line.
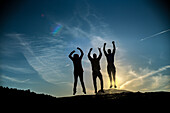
column 78, row 69
column 110, row 63
column 95, row 63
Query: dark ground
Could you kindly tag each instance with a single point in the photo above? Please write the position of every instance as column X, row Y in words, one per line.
column 121, row 97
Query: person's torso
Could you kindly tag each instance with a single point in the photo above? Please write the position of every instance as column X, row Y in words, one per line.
column 95, row 64
column 110, row 59
column 77, row 64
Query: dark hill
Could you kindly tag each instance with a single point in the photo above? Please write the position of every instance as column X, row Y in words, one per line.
column 14, row 96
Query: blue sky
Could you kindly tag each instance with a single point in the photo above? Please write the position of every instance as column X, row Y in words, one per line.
column 31, row 56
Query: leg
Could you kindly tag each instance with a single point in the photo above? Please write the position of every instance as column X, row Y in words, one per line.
column 101, row 80
column 94, row 82
column 82, row 82
column 114, row 76
column 75, row 83
column 110, row 77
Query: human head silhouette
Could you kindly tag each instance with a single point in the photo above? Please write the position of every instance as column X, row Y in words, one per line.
column 94, row 56
column 109, row 51
column 76, row 56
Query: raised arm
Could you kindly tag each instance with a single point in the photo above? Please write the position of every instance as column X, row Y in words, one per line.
column 104, row 50
column 114, row 47
column 100, row 53
column 81, row 56
column 70, row 55
column 89, row 54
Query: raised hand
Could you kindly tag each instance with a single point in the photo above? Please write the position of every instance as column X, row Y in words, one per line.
column 113, row 42
column 78, row 48
column 91, row 49
column 73, row 51
column 70, row 55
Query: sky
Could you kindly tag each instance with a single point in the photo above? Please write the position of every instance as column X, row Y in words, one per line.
column 36, row 38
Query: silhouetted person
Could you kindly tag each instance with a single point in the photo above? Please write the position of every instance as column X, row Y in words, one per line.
column 78, row 69
column 95, row 63
column 110, row 63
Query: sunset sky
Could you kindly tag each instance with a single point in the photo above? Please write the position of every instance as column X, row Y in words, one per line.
column 37, row 36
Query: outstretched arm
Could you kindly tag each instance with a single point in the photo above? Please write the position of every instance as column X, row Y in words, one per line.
column 81, row 56
column 100, row 54
column 70, row 55
column 104, row 50
column 114, row 47
column 89, row 54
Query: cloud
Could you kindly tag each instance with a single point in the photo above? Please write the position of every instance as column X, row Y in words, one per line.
column 44, row 54
column 14, row 35
column 97, row 41
column 47, row 63
column 132, row 72
column 148, row 59
column 15, row 79
column 156, row 34
column 77, row 32
column 16, row 69
column 67, row 65
column 160, row 81
column 144, row 76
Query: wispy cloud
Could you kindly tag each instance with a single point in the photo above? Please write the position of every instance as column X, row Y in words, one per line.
column 14, row 35
column 144, row 76
column 16, row 69
column 15, row 79
column 148, row 59
column 42, row 56
column 156, row 34
column 97, row 41
column 160, row 81
column 46, row 62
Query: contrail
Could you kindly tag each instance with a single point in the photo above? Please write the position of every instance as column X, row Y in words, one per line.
column 144, row 76
column 155, row 35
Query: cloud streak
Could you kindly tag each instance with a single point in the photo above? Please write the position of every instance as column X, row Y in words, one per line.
column 155, row 35
column 43, row 54
column 15, row 79
column 16, row 69
column 44, row 61
column 144, row 76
